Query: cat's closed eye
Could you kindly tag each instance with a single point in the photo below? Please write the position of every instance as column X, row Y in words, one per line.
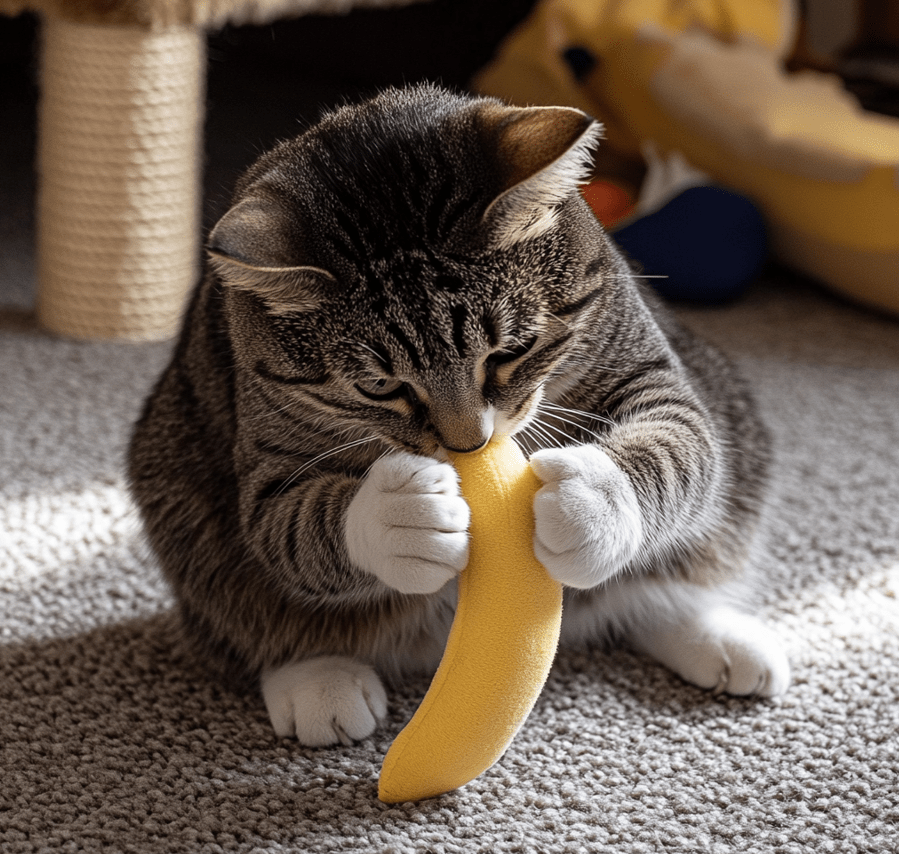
column 510, row 354
column 382, row 388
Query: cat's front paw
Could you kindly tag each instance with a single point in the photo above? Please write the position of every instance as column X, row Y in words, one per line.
column 324, row 700
column 408, row 524
column 587, row 519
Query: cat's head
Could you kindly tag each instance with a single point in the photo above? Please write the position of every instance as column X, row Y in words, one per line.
column 421, row 264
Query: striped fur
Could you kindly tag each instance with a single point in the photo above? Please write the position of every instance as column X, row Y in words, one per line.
column 409, row 275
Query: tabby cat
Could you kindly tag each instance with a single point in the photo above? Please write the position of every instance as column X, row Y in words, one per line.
column 412, row 275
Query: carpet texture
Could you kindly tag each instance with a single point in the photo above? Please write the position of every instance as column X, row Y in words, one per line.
column 112, row 740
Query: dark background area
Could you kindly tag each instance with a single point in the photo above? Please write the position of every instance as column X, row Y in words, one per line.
column 265, row 83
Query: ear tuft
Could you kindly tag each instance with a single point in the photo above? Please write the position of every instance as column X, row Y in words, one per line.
column 255, row 246
column 542, row 155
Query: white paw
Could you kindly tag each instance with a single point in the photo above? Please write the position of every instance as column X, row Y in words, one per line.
column 725, row 650
column 587, row 519
column 408, row 524
column 324, row 700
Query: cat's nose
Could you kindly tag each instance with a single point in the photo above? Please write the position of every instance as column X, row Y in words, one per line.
column 463, row 430
column 467, row 450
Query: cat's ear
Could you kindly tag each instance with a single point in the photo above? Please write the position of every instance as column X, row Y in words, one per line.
column 542, row 155
column 255, row 246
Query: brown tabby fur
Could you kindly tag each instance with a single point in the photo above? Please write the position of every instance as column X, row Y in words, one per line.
column 403, row 232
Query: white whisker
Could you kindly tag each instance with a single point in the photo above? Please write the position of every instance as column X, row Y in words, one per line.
column 377, row 459
column 636, row 276
column 575, row 425
column 329, row 453
column 374, row 353
column 540, row 431
column 556, row 414
column 546, row 427
column 525, row 441
column 518, row 439
column 268, row 413
column 590, row 416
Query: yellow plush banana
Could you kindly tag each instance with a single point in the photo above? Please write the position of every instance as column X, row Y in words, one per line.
column 501, row 644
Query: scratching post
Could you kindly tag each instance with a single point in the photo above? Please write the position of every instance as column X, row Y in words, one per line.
column 118, row 161
column 119, row 155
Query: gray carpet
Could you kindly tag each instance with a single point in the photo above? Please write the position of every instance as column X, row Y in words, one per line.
column 112, row 740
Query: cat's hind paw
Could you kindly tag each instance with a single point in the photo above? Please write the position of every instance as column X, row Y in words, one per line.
column 723, row 650
column 324, row 700
column 755, row 663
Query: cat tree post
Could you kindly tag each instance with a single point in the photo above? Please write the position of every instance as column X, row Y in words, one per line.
column 120, row 121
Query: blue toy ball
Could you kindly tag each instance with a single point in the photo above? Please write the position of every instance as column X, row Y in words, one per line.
column 709, row 242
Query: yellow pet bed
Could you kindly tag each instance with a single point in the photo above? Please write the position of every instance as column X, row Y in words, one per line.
column 706, row 78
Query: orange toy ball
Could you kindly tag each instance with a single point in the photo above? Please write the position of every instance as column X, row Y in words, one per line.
column 610, row 202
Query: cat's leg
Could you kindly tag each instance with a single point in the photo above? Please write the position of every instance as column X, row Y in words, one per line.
column 588, row 528
column 698, row 632
column 720, row 648
column 407, row 525
column 324, row 700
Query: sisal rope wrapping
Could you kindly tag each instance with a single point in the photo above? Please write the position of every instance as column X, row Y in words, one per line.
column 118, row 162
column 201, row 13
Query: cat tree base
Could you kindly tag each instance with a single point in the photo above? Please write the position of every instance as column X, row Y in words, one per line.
column 120, row 122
